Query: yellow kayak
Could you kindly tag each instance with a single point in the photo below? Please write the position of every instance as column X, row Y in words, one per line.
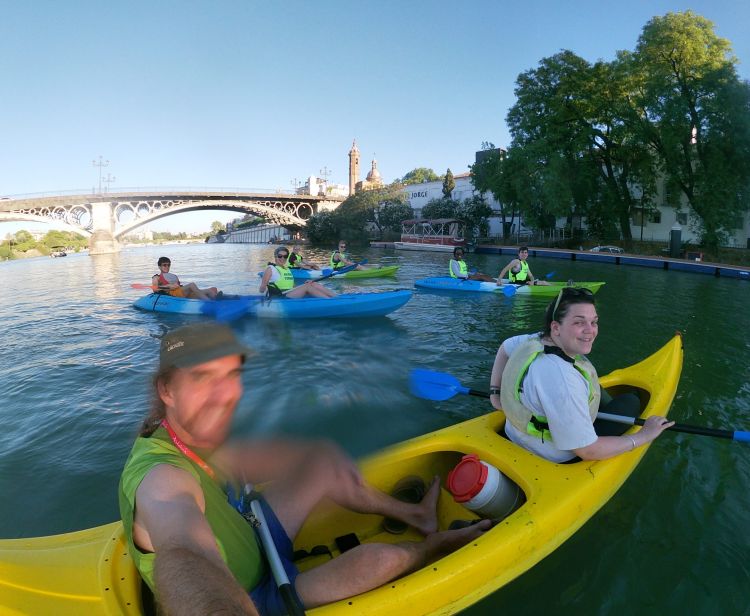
column 90, row 572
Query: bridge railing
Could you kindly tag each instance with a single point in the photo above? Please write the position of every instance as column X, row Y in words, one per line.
column 232, row 190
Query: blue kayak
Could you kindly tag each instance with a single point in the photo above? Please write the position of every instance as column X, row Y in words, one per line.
column 345, row 305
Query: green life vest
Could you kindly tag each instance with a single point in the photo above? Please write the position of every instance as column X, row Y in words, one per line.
column 235, row 538
column 295, row 260
column 523, row 418
column 521, row 276
column 285, row 280
column 461, row 266
column 342, row 259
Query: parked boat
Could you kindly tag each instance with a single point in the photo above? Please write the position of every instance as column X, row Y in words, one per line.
column 342, row 306
column 447, row 283
column 439, row 234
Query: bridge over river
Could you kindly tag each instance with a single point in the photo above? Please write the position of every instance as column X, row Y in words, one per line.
column 105, row 218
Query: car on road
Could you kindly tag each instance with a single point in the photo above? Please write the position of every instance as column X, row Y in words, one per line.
column 612, row 249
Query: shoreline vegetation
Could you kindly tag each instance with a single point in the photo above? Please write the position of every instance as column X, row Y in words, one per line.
column 23, row 245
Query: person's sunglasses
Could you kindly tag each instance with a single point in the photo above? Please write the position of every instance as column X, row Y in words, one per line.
column 166, row 265
column 282, row 256
column 570, row 292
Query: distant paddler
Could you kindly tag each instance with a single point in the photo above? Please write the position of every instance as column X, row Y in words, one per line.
column 458, row 268
column 340, row 258
column 518, row 270
column 278, row 280
column 297, row 261
column 167, row 282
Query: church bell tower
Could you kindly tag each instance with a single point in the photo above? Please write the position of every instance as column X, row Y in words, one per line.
column 353, row 167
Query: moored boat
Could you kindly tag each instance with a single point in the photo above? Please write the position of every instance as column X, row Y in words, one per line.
column 346, row 305
column 439, row 234
column 90, row 572
column 446, row 283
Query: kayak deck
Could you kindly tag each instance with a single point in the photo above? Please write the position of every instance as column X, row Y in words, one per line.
column 89, row 572
column 379, row 271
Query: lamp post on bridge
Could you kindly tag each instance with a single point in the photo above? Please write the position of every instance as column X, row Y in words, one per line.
column 109, row 180
column 101, row 163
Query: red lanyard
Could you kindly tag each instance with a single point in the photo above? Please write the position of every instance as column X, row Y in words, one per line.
column 188, row 452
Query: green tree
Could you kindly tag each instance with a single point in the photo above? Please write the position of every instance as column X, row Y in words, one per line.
column 419, row 176
column 217, row 227
column 448, row 184
column 441, row 208
column 695, row 114
column 390, row 215
column 475, row 212
column 322, row 228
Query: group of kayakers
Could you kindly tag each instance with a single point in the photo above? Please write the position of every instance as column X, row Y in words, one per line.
column 277, row 280
column 184, row 493
column 518, row 270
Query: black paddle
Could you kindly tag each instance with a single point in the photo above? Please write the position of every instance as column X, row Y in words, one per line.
column 440, row 386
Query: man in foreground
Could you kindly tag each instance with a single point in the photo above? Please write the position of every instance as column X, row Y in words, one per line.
column 193, row 548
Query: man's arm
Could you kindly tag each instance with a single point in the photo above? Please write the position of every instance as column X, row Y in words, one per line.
column 189, row 574
column 505, row 271
column 261, row 461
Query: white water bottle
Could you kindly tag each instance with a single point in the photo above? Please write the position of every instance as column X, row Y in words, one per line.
column 482, row 488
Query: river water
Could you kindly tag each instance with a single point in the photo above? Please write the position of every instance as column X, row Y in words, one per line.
column 77, row 359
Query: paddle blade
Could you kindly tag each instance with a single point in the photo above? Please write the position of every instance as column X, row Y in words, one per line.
column 432, row 385
column 230, row 310
column 326, row 271
column 509, row 290
column 741, row 436
column 550, row 275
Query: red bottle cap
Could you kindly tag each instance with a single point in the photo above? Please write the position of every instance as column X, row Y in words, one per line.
column 467, row 479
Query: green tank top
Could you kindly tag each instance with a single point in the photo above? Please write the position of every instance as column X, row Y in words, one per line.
column 234, row 536
column 522, row 275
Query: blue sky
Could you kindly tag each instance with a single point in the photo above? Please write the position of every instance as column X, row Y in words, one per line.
column 255, row 94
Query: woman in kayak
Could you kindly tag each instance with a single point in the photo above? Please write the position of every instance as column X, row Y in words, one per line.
column 458, row 268
column 169, row 283
column 550, row 392
column 278, row 280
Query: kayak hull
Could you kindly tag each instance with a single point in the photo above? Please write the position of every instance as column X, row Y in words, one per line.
column 97, row 576
column 346, row 305
column 446, row 283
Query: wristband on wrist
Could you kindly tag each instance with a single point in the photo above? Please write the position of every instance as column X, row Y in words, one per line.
column 494, row 391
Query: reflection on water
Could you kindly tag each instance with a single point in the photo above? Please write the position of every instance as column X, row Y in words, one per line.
column 78, row 359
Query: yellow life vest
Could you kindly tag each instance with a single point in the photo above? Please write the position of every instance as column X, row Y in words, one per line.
column 523, row 418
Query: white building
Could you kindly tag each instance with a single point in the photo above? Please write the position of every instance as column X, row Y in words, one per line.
column 653, row 227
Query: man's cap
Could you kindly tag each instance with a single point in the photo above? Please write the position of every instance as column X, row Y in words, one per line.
column 191, row 345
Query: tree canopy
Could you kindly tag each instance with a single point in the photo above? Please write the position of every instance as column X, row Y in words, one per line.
column 419, row 176
column 593, row 139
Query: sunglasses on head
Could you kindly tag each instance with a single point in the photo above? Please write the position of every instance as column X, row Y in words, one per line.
column 570, row 292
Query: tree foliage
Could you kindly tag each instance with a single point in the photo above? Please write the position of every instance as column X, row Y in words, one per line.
column 449, row 183
column 359, row 215
column 419, row 176
column 592, row 139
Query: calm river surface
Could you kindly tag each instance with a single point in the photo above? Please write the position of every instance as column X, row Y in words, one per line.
column 77, row 358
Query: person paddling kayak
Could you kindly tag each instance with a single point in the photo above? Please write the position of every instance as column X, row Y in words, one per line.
column 340, row 258
column 278, row 280
column 550, row 392
column 189, row 511
column 297, row 261
column 518, row 271
column 167, row 282
column 458, row 269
